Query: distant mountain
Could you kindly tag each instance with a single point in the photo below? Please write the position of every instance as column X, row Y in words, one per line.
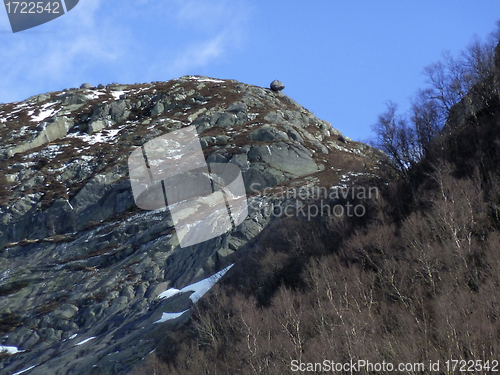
column 81, row 266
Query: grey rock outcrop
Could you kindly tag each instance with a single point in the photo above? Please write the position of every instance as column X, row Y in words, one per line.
column 79, row 260
column 277, row 85
column 86, row 86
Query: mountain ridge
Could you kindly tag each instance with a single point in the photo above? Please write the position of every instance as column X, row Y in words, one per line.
column 78, row 257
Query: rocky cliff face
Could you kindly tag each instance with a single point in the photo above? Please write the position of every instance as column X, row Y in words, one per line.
column 79, row 260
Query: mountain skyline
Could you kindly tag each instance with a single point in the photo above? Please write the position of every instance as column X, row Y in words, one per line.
column 331, row 57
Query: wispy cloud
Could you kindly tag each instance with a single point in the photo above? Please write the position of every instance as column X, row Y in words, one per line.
column 52, row 54
column 138, row 40
column 198, row 54
column 226, row 23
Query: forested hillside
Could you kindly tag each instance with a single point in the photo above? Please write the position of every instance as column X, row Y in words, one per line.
column 414, row 280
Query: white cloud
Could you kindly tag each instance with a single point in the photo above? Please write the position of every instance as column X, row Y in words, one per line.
column 203, row 14
column 137, row 40
column 225, row 25
column 48, row 57
column 199, row 54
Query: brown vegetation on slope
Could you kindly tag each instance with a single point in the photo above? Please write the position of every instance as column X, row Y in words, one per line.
column 424, row 289
column 415, row 280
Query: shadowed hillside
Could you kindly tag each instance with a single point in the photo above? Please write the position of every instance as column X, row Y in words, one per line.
column 414, row 281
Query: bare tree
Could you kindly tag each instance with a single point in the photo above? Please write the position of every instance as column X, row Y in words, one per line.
column 406, row 138
column 427, row 119
column 453, row 78
column 397, row 139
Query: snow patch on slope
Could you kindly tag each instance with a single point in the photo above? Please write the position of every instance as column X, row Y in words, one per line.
column 85, row 341
column 117, row 94
column 199, row 288
column 23, row 371
column 170, row 316
column 204, row 79
column 44, row 112
column 10, row 350
column 97, row 137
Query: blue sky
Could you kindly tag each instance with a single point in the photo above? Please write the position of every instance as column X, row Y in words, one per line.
column 343, row 60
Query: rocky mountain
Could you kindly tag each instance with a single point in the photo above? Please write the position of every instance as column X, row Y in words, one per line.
column 86, row 276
